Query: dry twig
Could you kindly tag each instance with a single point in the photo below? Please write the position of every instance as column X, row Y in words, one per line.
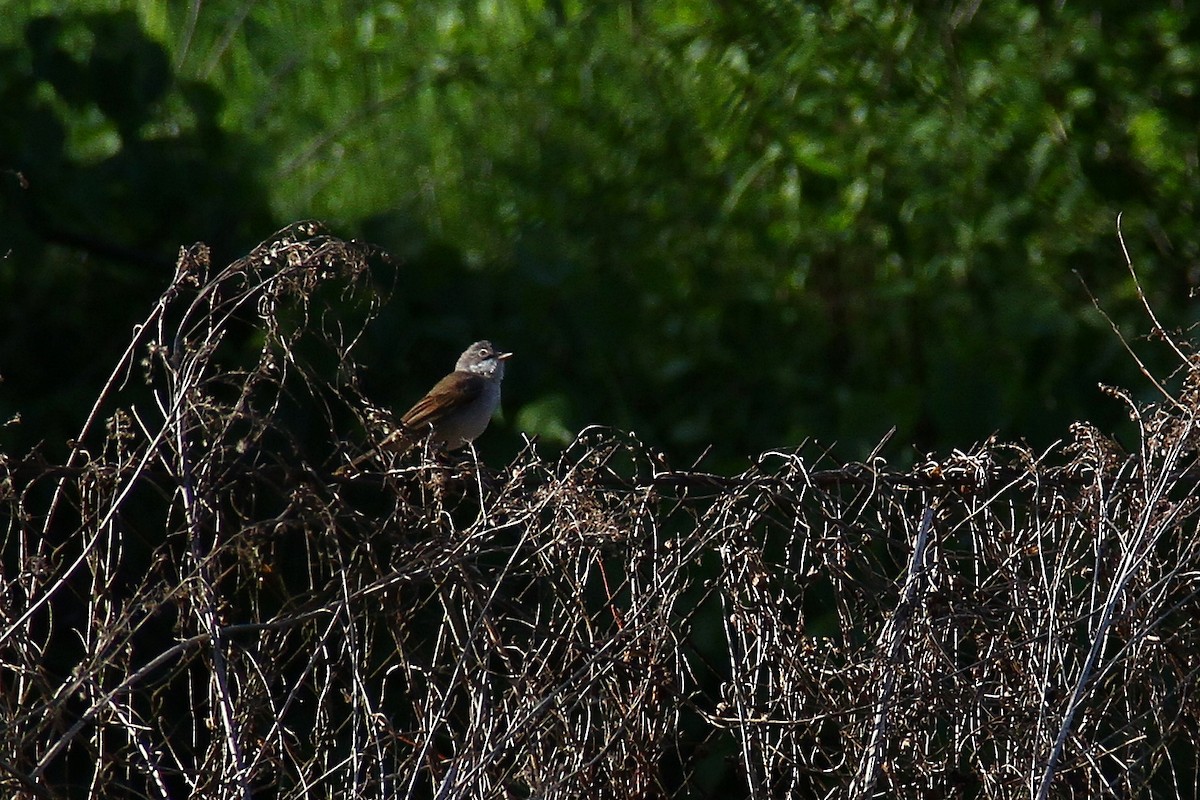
column 194, row 604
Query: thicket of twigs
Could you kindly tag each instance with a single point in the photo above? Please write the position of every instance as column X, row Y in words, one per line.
column 195, row 604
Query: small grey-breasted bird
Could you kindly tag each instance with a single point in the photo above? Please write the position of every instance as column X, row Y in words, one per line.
column 456, row 410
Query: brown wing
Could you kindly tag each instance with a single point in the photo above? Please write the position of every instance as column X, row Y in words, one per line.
column 453, row 391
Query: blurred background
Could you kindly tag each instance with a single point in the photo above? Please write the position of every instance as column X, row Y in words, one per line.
column 741, row 225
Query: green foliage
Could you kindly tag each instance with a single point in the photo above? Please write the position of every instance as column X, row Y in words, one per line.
column 738, row 224
column 108, row 163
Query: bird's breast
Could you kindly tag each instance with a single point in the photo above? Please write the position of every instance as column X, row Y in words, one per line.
column 467, row 423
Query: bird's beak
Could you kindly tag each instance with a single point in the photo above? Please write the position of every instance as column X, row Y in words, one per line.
column 504, row 356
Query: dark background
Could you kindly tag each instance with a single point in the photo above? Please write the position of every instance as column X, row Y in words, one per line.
column 729, row 224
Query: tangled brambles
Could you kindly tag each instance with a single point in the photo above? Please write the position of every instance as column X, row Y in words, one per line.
column 195, row 605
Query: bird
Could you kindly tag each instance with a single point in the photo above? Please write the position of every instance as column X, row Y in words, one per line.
column 456, row 410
